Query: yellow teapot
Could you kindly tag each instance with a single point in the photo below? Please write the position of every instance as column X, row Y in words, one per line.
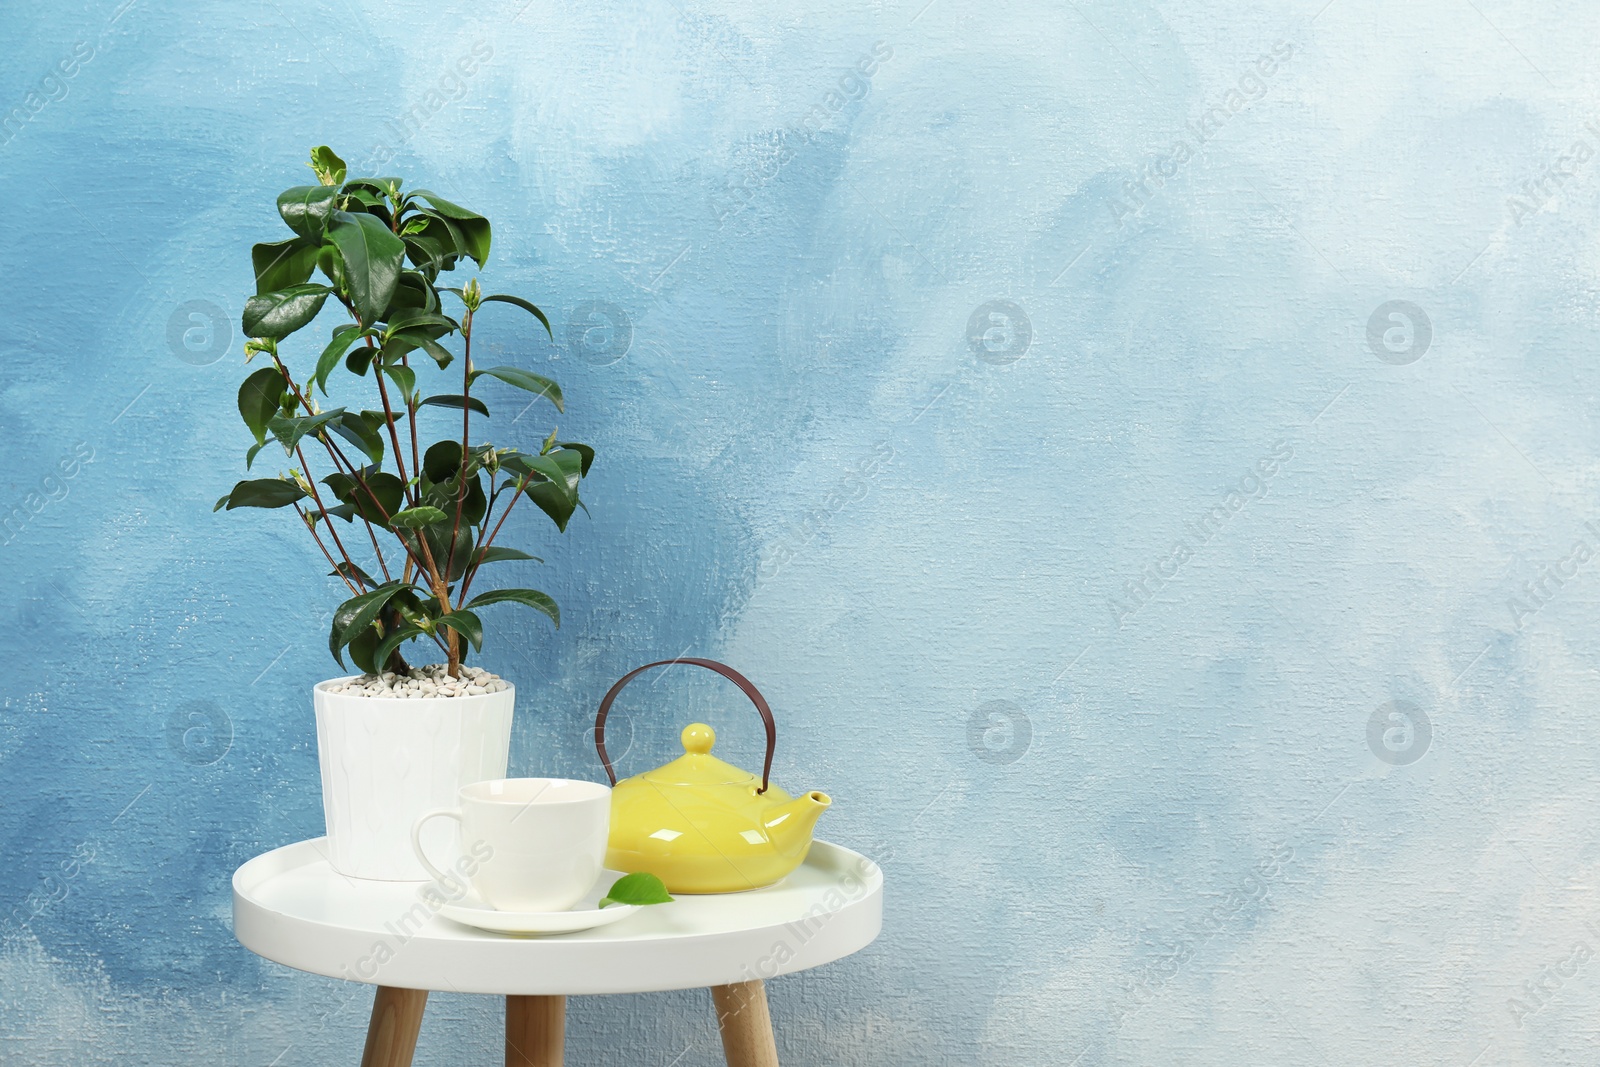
column 702, row 825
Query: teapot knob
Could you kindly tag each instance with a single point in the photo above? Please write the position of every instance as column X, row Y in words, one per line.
column 697, row 737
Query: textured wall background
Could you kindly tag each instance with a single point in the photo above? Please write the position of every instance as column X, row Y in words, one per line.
column 1203, row 640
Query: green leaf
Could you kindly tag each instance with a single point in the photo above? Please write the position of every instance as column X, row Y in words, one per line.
column 549, row 498
column 563, row 467
column 583, row 450
column 307, row 208
column 454, row 400
column 361, row 648
column 250, row 456
column 533, row 383
column 413, row 293
column 330, row 169
column 386, row 647
column 440, row 484
column 329, row 263
column 531, row 597
column 429, row 256
column 404, row 377
column 458, row 554
column 279, row 313
column 358, row 496
column 415, row 317
column 381, row 186
column 357, row 613
column 354, row 573
column 360, row 358
column 417, row 339
column 641, row 887
column 262, row 493
column 453, row 555
column 363, row 431
column 474, row 228
column 553, row 481
column 442, row 461
column 494, row 554
column 466, row 624
column 417, row 517
column 372, row 258
column 282, row 264
column 433, row 242
column 525, row 306
column 291, row 431
column 260, row 396
column 445, row 207
column 366, row 199
column 343, row 338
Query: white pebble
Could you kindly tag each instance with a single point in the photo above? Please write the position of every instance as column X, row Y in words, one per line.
column 417, row 683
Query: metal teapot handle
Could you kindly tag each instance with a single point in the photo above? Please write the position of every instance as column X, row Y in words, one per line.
column 710, row 664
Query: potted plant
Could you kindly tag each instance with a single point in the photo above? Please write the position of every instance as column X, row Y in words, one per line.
column 398, row 740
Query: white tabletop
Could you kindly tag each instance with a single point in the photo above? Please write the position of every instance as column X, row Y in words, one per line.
column 290, row 906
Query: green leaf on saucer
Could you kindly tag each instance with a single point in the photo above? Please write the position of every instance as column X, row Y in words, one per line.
column 640, row 888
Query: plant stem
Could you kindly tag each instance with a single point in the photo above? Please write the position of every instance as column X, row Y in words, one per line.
column 461, row 479
column 411, row 558
column 483, row 526
column 341, row 461
column 373, row 537
column 376, row 551
column 411, row 418
column 441, row 590
column 337, row 455
column 394, row 438
column 472, row 572
column 353, row 590
column 360, row 480
column 466, row 416
column 305, row 469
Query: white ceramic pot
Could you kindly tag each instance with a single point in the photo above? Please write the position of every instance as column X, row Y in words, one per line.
column 386, row 761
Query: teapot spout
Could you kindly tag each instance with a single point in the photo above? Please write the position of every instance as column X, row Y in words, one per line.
column 790, row 825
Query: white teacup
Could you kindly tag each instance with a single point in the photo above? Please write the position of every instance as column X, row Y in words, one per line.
column 540, row 842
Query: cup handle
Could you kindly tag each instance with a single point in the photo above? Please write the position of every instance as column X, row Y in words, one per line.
column 416, row 840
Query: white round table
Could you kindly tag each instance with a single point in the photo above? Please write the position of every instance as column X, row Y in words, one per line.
column 291, row 907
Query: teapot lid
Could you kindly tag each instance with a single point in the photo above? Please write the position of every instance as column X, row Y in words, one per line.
column 697, row 766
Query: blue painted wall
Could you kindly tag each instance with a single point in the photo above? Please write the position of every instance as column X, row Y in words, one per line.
column 1145, row 452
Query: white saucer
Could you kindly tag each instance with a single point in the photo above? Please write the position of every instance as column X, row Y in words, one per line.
column 584, row 915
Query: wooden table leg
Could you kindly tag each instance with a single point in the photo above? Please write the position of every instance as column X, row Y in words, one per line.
column 536, row 1031
column 392, row 1034
column 746, row 1024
